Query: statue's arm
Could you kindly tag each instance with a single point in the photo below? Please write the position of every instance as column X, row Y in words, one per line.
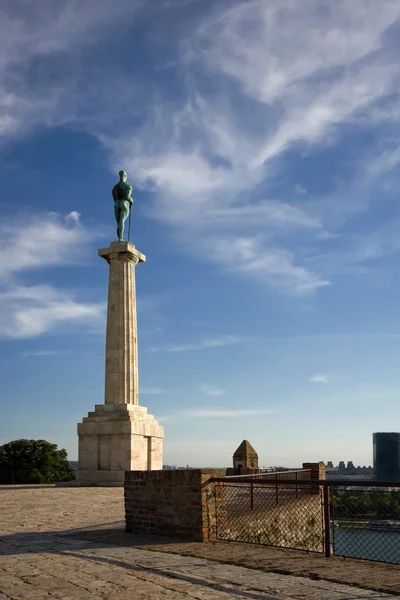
column 114, row 192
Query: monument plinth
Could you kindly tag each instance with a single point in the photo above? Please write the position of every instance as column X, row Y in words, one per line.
column 119, row 435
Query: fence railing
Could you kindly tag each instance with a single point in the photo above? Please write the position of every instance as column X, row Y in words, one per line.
column 275, row 475
column 355, row 519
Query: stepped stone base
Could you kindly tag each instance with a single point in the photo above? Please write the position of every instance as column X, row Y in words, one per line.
column 115, row 438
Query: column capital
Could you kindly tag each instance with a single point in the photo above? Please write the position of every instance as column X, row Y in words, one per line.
column 121, row 252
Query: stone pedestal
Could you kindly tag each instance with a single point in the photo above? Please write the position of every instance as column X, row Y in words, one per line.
column 119, row 435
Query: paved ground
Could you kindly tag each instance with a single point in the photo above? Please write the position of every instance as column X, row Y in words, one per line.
column 69, row 544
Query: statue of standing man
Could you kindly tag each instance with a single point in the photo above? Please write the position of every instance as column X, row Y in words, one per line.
column 122, row 203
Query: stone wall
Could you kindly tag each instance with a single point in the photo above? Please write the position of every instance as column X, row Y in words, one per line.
column 175, row 503
column 318, row 472
column 243, row 471
column 186, row 504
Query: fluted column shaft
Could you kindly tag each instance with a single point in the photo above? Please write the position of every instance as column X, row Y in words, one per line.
column 121, row 363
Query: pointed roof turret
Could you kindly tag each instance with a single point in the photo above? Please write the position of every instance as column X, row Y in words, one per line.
column 245, row 449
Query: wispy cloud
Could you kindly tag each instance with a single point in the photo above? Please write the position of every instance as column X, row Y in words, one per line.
column 288, row 91
column 38, row 34
column 228, row 413
column 34, row 310
column 47, row 240
column 253, row 88
column 217, row 342
column 150, row 390
column 320, row 378
column 165, row 418
column 43, row 353
column 41, row 240
column 211, row 413
column 212, row 390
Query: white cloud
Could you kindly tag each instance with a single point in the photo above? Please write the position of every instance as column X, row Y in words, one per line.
column 212, row 152
column 217, row 342
column 41, row 240
column 275, row 266
column 150, row 390
column 42, row 353
column 228, row 413
column 32, row 37
column 252, row 85
column 278, row 56
column 320, row 378
column 164, row 418
column 212, row 390
column 218, row 413
column 73, row 217
column 29, row 311
column 37, row 242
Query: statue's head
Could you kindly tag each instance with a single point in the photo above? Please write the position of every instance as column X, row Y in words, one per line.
column 123, row 175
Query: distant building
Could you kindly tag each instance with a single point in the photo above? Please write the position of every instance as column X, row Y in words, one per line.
column 348, row 472
column 386, row 456
column 245, row 457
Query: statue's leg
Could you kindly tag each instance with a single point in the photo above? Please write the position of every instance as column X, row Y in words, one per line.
column 123, row 214
column 117, row 216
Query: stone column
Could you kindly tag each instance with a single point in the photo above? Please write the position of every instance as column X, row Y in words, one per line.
column 119, row 435
column 121, row 365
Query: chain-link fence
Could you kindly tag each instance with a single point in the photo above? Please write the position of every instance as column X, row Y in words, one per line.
column 366, row 523
column 353, row 519
column 272, row 514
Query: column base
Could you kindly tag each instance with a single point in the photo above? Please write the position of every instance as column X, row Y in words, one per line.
column 99, row 478
column 116, row 438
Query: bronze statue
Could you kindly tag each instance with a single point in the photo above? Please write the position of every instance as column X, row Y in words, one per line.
column 122, row 203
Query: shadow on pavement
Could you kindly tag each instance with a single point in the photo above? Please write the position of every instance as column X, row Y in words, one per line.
column 75, row 542
column 107, row 534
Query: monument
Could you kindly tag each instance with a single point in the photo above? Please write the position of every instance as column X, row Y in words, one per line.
column 119, row 435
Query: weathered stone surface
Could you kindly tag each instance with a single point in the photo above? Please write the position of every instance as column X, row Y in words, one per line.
column 96, row 559
column 121, row 365
column 119, row 435
column 40, row 558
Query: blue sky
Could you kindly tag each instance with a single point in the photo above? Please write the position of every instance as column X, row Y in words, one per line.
column 262, row 141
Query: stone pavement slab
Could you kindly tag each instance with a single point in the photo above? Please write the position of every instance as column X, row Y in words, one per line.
column 69, row 543
column 48, row 565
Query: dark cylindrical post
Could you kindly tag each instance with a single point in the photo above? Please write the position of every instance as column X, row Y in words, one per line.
column 276, row 489
column 296, row 484
column 327, row 521
column 251, row 496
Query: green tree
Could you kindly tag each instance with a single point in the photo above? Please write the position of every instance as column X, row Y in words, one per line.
column 34, row 461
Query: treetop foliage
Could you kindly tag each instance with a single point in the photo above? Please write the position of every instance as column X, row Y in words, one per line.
column 34, row 461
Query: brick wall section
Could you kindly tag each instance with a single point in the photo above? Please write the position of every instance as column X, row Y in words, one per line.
column 174, row 503
column 318, row 472
column 243, row 471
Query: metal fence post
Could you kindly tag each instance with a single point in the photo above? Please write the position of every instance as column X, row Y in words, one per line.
column 251, row 495
column 327, row 528
column 276, row 489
